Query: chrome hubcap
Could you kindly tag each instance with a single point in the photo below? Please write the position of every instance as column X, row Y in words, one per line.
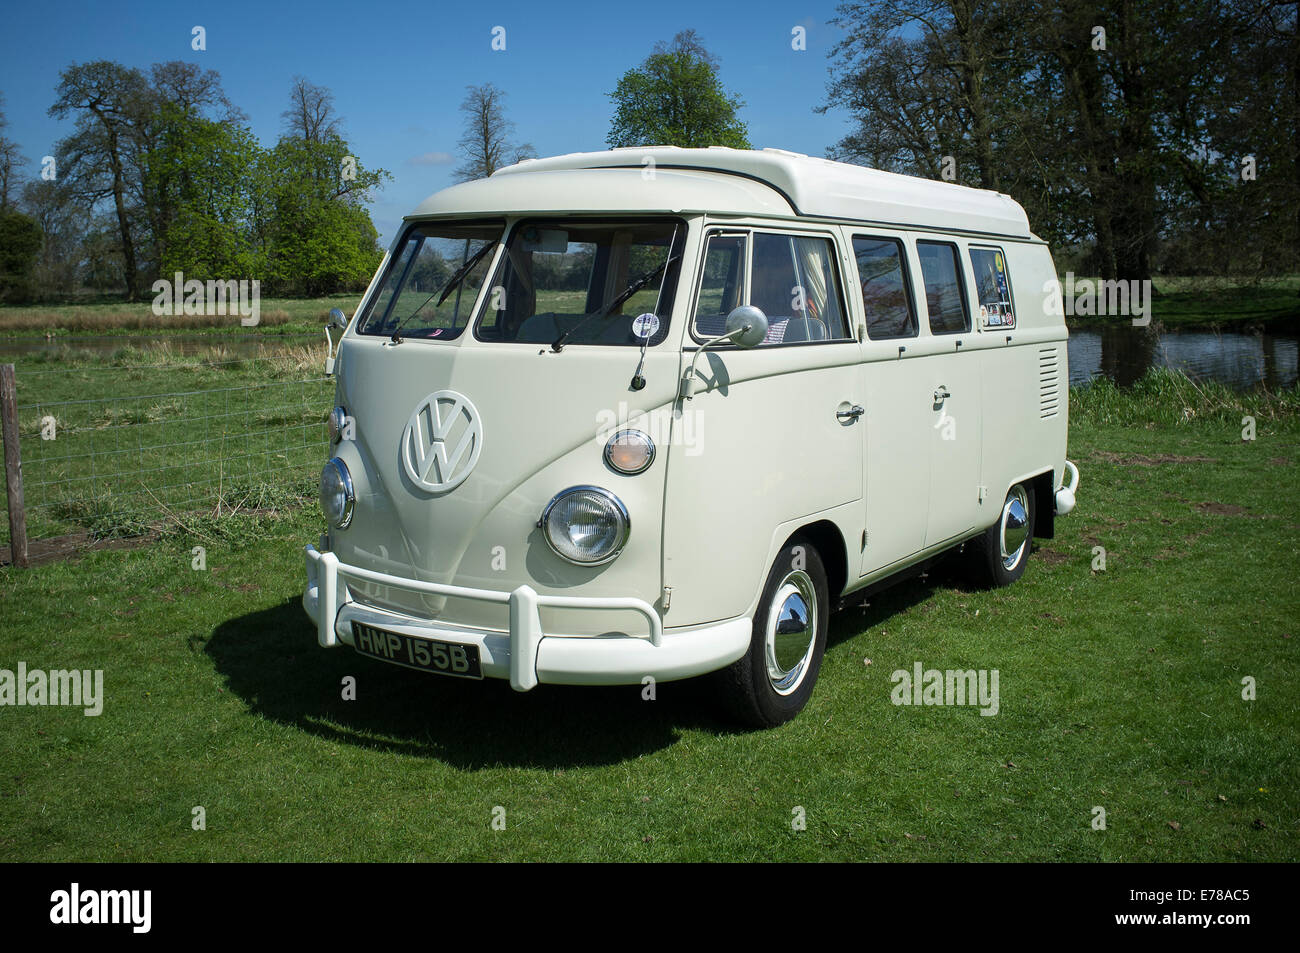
column 1015, row 526
column 791, row 632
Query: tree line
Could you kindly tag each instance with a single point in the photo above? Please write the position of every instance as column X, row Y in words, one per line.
column 162, row 174
column 1141, row 136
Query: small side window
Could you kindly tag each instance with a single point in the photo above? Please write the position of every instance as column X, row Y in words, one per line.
column 886, row 292
column 945, row 292
column 992, row 288
column 722, row 286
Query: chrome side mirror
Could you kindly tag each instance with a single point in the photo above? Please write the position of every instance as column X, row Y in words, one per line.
column 747, row 326
column 337, row 319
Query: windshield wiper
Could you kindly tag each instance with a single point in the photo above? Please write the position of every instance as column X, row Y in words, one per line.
column 558, row 344
column 456, row 278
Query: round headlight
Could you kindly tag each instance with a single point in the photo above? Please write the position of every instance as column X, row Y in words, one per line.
column 338, row 420
column 630, row 451
column 586, row 525
column 336, row 494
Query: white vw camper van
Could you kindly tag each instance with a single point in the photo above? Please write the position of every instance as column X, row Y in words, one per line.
column 653, row 413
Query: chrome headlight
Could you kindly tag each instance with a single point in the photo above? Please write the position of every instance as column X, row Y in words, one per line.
column 336, row 494
column 338, row 420
column 586, row 525
column 630, row 451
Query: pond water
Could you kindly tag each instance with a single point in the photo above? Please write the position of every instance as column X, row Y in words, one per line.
column 1123, row 353
column 1242, row 361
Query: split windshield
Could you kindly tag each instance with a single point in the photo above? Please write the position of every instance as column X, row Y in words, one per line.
column 561, row 280
column 433, row 280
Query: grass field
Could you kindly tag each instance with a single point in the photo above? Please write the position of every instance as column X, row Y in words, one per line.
column 146, row 432
column 1120, row 689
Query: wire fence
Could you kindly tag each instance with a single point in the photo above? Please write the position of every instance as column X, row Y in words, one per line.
column 113, row 451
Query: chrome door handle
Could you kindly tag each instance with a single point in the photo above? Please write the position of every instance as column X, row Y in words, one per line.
column 853, row 412
column 941, row 394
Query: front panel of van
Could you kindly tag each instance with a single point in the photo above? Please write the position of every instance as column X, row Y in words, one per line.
column 544, row 419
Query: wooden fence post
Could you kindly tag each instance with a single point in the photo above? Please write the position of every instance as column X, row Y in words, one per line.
column 13, row 467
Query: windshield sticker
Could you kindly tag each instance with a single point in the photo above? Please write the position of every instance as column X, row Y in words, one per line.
column 645, row 326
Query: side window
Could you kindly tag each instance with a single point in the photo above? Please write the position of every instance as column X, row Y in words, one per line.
column 793, row 281
column 945, row 294
column 722, row 286
column 992, row 288
column 886, row 292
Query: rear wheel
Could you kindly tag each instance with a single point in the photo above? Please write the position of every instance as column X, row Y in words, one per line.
column 772, row 682
column 998, row 557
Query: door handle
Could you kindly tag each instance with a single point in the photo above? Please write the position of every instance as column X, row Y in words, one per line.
column 941, row 394
column 857, row 410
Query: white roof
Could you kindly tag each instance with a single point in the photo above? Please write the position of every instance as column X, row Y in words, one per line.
column 815, row 187
column 566, row 190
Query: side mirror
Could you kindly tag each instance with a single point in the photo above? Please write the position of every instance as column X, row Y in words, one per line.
column 337, row 319
column 747, row 326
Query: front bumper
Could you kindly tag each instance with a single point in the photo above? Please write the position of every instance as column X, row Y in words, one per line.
column 525, row 654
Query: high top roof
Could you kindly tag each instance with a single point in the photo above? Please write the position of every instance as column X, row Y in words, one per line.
column 820, row 187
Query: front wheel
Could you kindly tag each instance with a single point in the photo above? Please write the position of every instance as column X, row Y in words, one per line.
column 998, row 557
column 772, row 682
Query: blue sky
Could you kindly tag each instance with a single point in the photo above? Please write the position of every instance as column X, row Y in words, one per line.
column 399, row 69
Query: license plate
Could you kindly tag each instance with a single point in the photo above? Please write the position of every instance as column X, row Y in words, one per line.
column 427, row 655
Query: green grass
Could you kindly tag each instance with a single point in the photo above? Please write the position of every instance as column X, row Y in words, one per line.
column 1119, row 689
column 165, row 433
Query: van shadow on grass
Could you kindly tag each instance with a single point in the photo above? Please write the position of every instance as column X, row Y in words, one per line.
column 271, row 660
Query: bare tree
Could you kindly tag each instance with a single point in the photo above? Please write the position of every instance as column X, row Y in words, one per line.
column 311, row 114
column 687, row 41
column 487, row 142
column 110, row 103
column 11, row 163
column 193, row 89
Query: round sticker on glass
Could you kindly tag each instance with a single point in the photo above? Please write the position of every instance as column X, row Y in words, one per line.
column 645, row 326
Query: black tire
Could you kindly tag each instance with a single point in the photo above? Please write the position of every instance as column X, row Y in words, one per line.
column 988, row 558
column 755, row 693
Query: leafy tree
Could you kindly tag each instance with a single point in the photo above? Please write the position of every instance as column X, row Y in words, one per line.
column 676, row 98
column 318, row 235
column 487, row 142
column 193, row 156
column 202, row 167
column 20, row 247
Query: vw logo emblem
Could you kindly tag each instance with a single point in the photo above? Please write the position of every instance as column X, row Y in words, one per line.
column 442, row 440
